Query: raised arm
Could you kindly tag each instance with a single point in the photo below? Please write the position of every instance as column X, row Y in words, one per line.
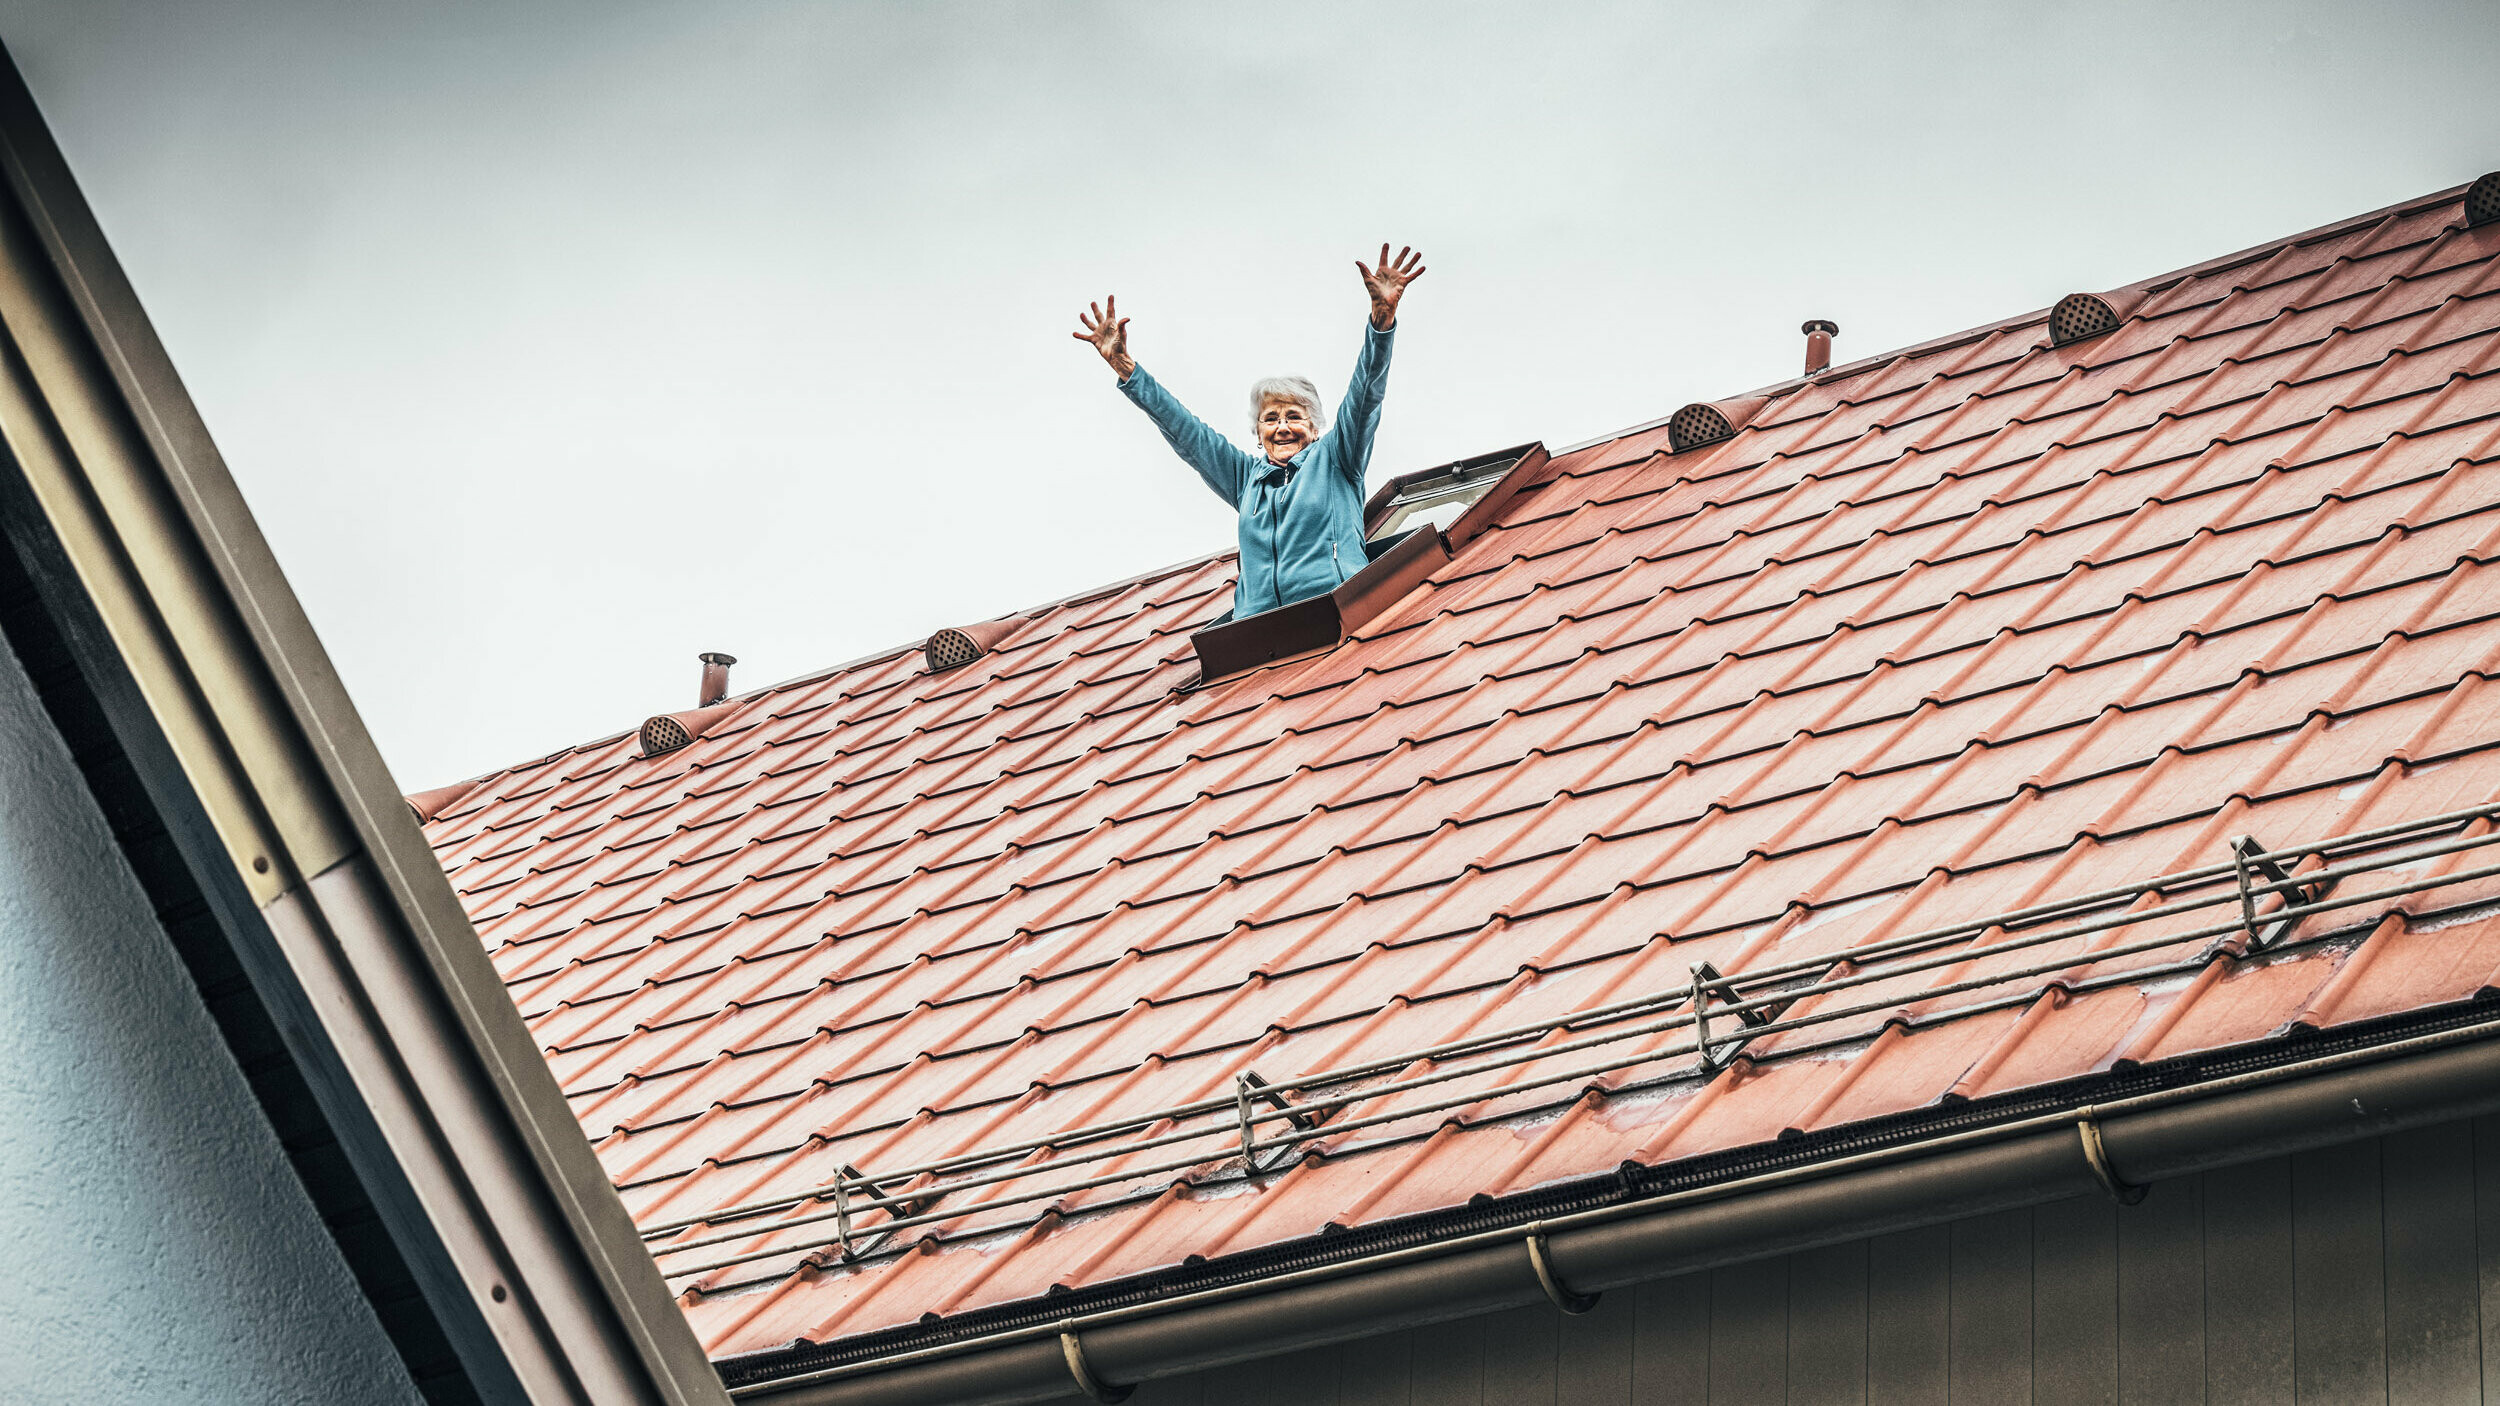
column 1358, row 415
column 1223, row 465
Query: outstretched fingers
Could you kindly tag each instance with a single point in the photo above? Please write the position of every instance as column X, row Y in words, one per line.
column 1099, row 318
column 1395, row 270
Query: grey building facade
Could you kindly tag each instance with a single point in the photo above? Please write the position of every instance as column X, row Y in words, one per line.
column 2364, row 1273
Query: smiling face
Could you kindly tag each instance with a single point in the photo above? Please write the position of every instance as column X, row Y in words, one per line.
column 1285, row 428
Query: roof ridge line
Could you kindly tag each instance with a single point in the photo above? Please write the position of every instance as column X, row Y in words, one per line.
column 1777, row 389
column 1028, row 612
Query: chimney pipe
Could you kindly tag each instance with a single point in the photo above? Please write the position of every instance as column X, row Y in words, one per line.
column 715, row 679
column 1819, row 334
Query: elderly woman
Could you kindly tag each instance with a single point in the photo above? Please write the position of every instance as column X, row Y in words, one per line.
column 1301, row 504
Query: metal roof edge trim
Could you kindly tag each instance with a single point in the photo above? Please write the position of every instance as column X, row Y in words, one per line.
column 180, row 623
column 2110, row 1148
column 1775, row 389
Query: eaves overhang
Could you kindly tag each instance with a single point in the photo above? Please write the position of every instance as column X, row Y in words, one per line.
column 2106, row 1135
column 282, row 861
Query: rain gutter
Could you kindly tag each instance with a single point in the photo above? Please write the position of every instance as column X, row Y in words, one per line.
column 283, row 865
column 2112, row 1149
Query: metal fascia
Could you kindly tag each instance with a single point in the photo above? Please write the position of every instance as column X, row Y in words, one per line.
column 180, row 622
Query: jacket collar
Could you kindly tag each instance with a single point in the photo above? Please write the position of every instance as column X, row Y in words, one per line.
column 1272, row 473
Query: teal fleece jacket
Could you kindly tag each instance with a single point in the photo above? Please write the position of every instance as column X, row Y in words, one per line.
column 1301, row 521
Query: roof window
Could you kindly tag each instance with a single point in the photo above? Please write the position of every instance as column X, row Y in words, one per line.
column 1414, row 523
column 1434, row 497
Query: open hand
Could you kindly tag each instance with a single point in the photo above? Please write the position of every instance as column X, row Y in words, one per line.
column 1387, row 282
column 1103, row 326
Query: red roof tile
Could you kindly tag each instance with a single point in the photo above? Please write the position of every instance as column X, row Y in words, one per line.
column 1983, row 624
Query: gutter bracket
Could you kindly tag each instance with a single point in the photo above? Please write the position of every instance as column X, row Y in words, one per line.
column 1072, row 1348
column 2096, row 1156
column 1551, row 1283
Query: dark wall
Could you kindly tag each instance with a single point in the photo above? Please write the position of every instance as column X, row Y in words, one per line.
column 160, row 1248
column 2365, row 1273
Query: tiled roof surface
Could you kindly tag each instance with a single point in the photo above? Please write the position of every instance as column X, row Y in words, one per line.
column 1935, row 636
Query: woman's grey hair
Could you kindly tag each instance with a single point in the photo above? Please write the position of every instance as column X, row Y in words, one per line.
column 1293, row 388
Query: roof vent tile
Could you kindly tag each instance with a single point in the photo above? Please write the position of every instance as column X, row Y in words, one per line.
column 663, row 734
column 1705, row 423
column 670, row 731
column 2079, row 317
column 2482, row 201
column 956, row 646
column 428, row 804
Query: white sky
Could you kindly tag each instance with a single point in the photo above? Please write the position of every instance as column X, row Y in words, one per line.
column 555, row 343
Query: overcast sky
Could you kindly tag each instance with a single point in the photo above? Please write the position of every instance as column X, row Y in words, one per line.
column 554, row 343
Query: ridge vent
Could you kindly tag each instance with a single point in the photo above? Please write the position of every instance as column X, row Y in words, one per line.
column 2482, row 200
column 664, row 734
column 1704, row 423
column 955, row 646
column 2080, row 317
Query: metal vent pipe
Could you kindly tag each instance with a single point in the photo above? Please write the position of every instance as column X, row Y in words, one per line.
column 715, row 686
column 1819, row 334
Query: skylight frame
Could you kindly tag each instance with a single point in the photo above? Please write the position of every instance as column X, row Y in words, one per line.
column 1392, row 510
column 1422, row 500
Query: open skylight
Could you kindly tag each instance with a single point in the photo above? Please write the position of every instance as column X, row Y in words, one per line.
column 1434, row 497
